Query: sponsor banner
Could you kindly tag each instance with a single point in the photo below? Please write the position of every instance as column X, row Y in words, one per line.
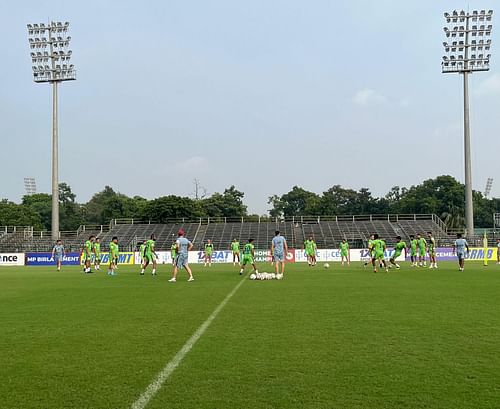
column 46, row 259
column 11, row 259
column 219, row 256
column 334, row 255
column 476, row 253
column 164, row 257
column 264, row 256
column 125, row 257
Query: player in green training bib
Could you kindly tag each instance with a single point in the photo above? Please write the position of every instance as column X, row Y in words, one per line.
column 431, row 249
column 87, row 251
column 173, row 252
column 142, row 250
column 310, row 250
column 248, row 257
column 422, row 248
column 97, row 254
column 344, row 252
column 150, row 255
column 235, row 248
column 113, row 256
column 209, row 250
column 398, row 249
column 378, row 247
column 370, row 250
column 413, row 250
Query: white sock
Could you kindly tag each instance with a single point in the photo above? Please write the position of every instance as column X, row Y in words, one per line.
column 154, row 271
column 142, row 271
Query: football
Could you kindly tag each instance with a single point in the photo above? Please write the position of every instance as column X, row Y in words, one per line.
column 326, row 265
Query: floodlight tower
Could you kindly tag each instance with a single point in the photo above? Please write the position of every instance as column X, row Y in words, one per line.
column 489, row 185
column 30, row 186
column 467, row 50
column 50, row 58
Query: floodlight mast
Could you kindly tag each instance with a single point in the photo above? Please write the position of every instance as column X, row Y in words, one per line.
column 463, row 58
column 57, row 42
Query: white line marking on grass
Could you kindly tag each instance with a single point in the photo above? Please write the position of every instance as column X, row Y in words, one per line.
column 170, row 367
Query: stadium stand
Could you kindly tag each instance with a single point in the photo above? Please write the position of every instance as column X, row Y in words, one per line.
column 327, row 231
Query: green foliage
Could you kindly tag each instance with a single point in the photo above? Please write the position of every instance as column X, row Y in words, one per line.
column 13, row 214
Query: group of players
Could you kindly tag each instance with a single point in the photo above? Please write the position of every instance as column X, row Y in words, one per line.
column 418, row 248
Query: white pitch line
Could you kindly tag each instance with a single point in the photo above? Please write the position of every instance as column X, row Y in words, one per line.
column 170, row 367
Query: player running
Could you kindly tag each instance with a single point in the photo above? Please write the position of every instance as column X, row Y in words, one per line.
column 173, row 252
column 310, row 250
column 150, row 255
column 498, row 251
column 58, row 253
column 370, row 250
column 345, row 253
column 461, row 248
column 422, row 248
column 209, row 249
column 235, row 248
column 378, row 253
column 87, row 254
column 97, row 254
column 431, row 249
column 248, row 257
column 113, row 256
column 181, row 261
column 398, row 249
column 279, row 250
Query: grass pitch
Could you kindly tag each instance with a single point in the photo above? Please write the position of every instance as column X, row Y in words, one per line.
column 336, row 338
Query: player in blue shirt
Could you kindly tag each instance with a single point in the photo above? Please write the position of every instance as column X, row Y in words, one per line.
column 279, row 250
column 183, row 246
column 58, row 253
column 461, row 248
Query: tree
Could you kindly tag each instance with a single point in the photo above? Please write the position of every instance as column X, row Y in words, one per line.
column 228, row 204
column 41, row 204
column 297, row 202
column 172, row 207
column 13, row 214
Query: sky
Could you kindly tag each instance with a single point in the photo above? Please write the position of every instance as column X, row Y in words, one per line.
column 261, row 94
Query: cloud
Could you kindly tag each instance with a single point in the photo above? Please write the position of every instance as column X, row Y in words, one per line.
column 489, row 86
column 367, row 96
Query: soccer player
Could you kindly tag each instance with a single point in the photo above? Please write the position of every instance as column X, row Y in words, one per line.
column 97, row 254
column 413, row 250
column 370, row 250
column 181, row 261
column 209, row 249
column 150, row 255
column 459, row 247
column 235, row 248
column 248, row 257
column 398, row 249
column 345, row 252
column 87, row 254
column 173, row 252
column 422, row 248
column 498, row 251
column 142, row 249
column 310, row 249
column 113, row 256
column 58, row 253
column 279, row 250
column 431, row 249
column 378, row 253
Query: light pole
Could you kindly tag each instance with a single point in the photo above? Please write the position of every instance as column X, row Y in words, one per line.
column 467, row 48
column 50, row 58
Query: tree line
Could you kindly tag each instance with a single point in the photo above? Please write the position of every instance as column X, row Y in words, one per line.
column 443, row 196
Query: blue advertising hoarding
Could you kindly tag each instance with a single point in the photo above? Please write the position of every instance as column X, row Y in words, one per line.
column 46, row 259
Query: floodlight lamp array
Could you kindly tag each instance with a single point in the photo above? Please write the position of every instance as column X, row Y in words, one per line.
column 50, row 56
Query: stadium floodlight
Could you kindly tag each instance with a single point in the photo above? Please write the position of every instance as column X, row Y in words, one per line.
column 467, row 47
column 48, row 46
column 30, row 186
column 489, row 185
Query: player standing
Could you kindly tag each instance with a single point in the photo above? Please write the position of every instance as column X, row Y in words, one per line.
column 150, row 255
column 398, row 249
column 97, row 254
column 142, row 250
column 413, row 250
column 87, row 254
column 235, row 248
column 310, row 250
column 248, row 257
column 378, row 253
column 113, row 256
column 432, row 250
column 173, row 252
column 181, row 261
column 422, row 248
column 209, row 249
column 460, row 247
column 345, row 253
column 58, row 253
column 279, row 250
column 370, row 250
column 498, row 251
